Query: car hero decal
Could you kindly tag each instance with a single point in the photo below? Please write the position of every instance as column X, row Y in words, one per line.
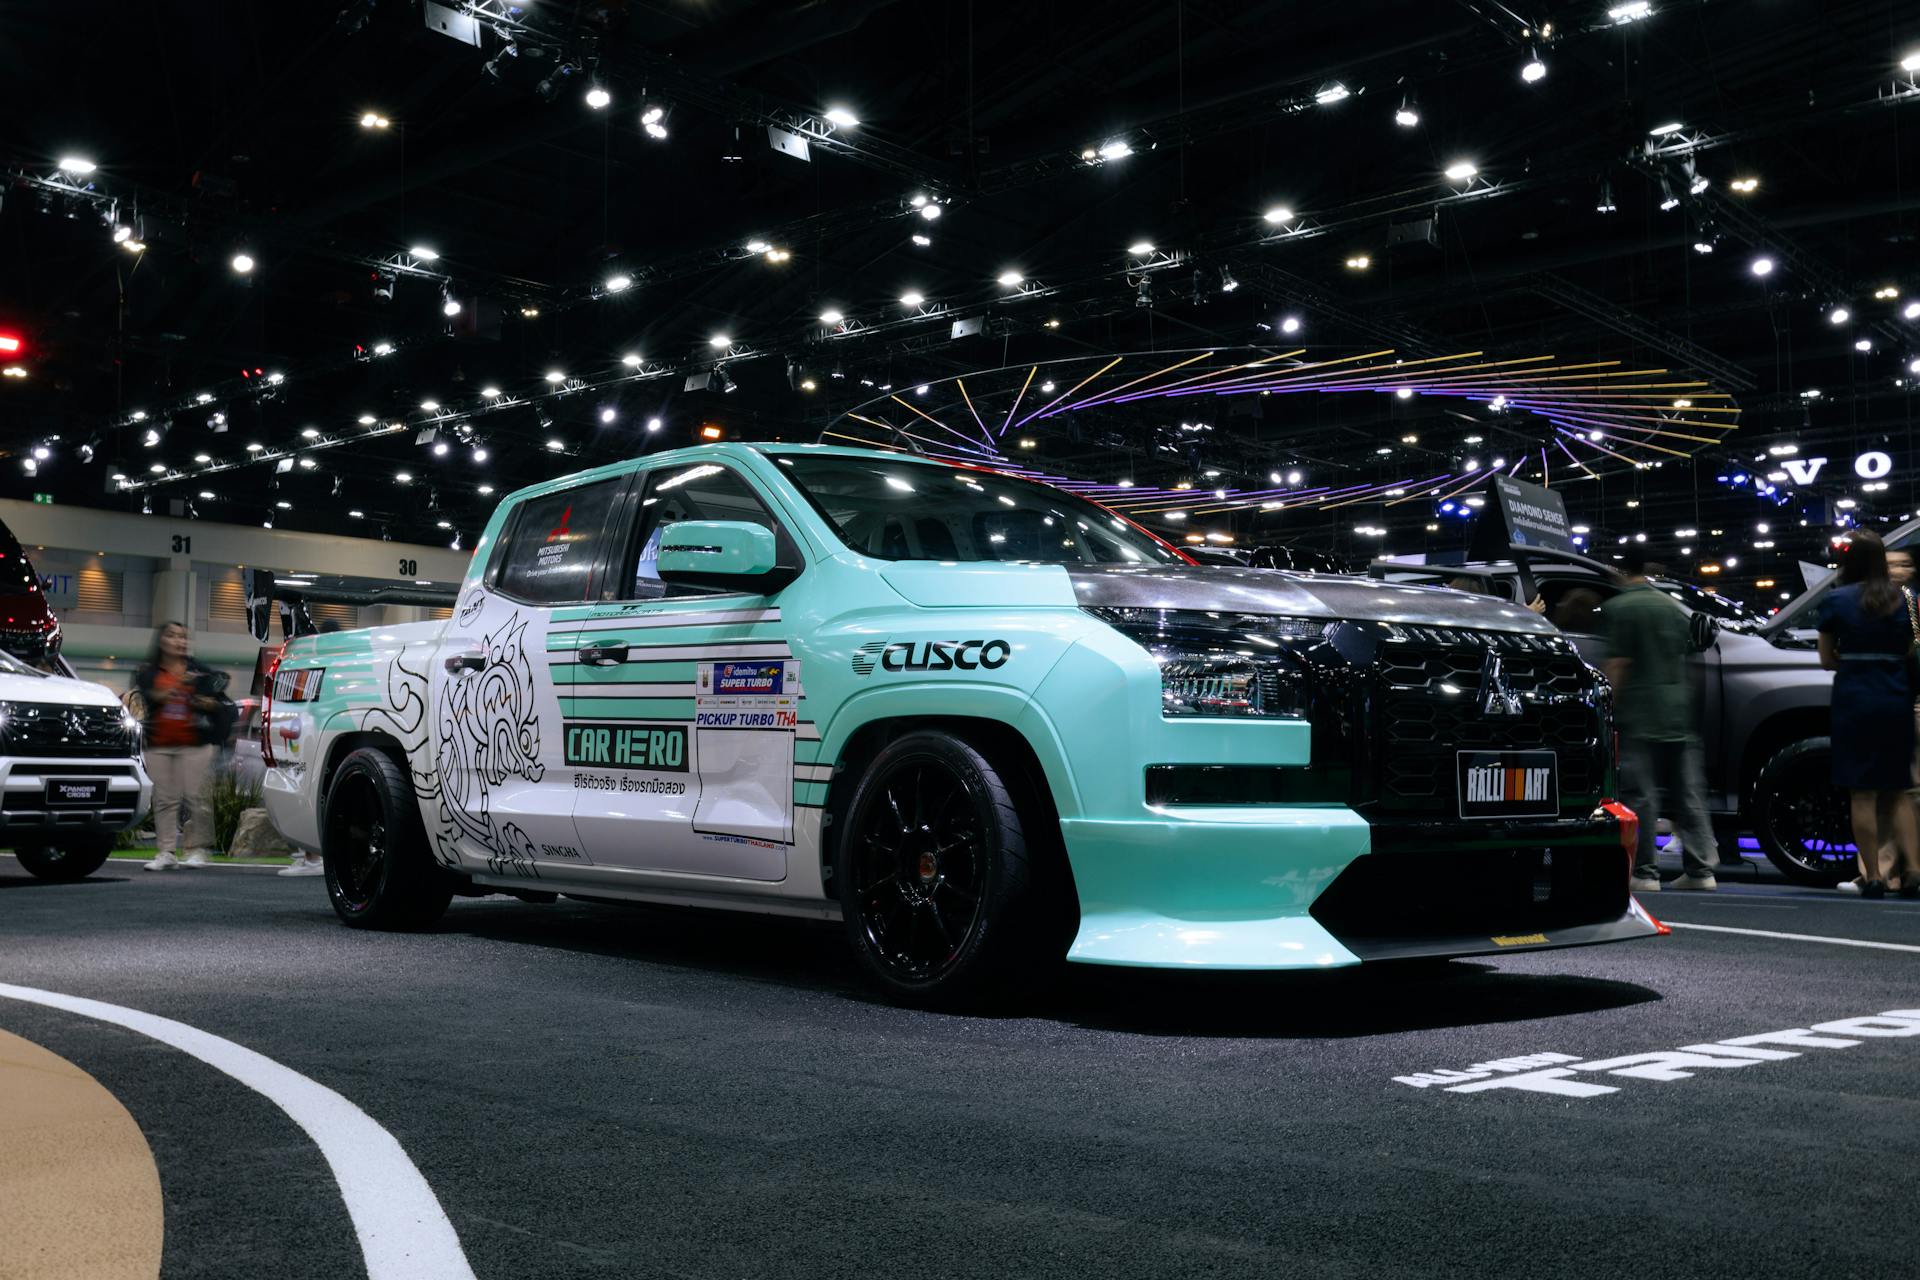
column 655, row 748
column 931, row 655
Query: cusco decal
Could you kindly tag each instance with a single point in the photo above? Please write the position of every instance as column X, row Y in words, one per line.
column 931, row 655
column 656, row 748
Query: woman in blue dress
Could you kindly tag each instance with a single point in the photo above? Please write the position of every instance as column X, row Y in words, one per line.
column 1866, row 633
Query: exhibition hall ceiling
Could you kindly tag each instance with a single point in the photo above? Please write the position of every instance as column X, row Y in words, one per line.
column 383, row 262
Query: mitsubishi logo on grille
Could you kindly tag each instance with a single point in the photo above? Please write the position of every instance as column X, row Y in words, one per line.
column 1496, row 699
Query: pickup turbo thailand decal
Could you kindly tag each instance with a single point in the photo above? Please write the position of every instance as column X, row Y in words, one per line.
column 931, row 655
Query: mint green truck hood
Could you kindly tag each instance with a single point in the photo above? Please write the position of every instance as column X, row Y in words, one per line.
column 934, row 584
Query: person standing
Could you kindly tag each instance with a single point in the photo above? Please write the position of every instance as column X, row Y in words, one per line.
column 1866, row 633
column 184, row 717
column 1648, row 639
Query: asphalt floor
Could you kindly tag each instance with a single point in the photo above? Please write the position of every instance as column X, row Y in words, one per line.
column 599, row 1091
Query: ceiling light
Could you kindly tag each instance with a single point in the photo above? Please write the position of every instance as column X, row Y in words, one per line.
column 1668, row 200
column 778, row 255
column 1761, row 266
column 1279, row 215
column 1621, row 14
column 451, row 307
column 922, row 241
column 480, row 454
column 832, row 317
column 1662, row 130
column 158, row 468
column 529, row 312
column 441, row 448
column 654, row 114
column 1461, row 170
column 242, row 263
column 598, row 98
column 1115, row 150
column 1359, row 262
column 357, row 514
column 1046, row 388
column 912, row 298
column 206, row 495
column 1863, row 344
column 1140, row 248
column 842, row 117
column 1535, row 70
column 383, row 348
column 1909, row 63
column 1911, row 311
column 310, row 433
column 1408, row 115
column 1290, row 324
column 134, row 246
column 1700, row 183
column 555, row 376
column 76, row 165
column 1403, row 393
column 1745, row 186
column 366, row 419
column 618, row 282
column 255, row 448
column 431, row 406
column 1839, row 315
column 654, row 424
column 423, row 254
column 403, row 477
column 719, row 342
column 930, row 211
column 631, row 360
column 1009, row 279
column 1331, row 92
column 1227, row 282
column 308, row 463
column 1293, row 477
column 374, row 120
column 122, row 234
column 1703, row 246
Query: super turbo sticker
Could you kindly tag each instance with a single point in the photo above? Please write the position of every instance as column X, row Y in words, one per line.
column 653, row 747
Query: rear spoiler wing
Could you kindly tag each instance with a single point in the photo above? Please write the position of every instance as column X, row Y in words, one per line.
column 268, row 589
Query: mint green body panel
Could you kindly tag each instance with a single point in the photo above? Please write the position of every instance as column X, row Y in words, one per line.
column 1224, row 888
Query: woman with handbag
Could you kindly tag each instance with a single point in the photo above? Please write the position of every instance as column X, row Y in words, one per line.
column 1866, row 639
column 187, row 714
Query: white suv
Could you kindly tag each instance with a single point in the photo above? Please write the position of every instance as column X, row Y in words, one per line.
column 70, row 771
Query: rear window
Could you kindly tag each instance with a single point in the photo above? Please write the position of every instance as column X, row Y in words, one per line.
column 556, row 541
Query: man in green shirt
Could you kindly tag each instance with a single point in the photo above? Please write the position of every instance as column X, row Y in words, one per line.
column 1648, row 640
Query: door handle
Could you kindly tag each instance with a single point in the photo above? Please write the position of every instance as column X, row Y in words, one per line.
column 610, row 654
column 460, row 662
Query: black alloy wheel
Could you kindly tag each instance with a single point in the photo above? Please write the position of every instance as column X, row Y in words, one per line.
column 1802, row 820
column 933, row 873
column 76, row 859
column 379, row 874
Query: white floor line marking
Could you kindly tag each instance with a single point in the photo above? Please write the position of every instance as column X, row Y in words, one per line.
column 1792, row 937
column 404, row 1233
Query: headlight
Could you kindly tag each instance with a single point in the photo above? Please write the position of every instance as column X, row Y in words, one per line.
column 1223, row 664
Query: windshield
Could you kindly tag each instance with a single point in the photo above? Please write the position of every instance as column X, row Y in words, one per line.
column 14, row 667
column 1718, row 607
column 920, row 511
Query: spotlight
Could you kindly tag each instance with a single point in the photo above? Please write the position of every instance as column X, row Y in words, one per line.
column 930, row 211
column 441, row 448
column 723, row 384
column 913, row 299
column 1140, row 248
column 1227, row 283
column 922, row 241
column 76, row 165
column 1621, row 14
column 598, row 98
column 1331, row 92
column 138, row 415
column 1278, row 216
column 1863, row 344
column 555, row 377
column 1359, row 262
column 1911, row 62
column 1761, row 267
column 556, row 444
column 431, row 406
column 1745, row 186
column 631, row 360
column 1403, row 393
column 1290, row 324
column 842, row 118
column 832, row 317
column 1605, row 203
column 421, row 253
column 654, row 424
column 1668, row 201
column 617, row 283
column 1408, row 116
column 122, row 234
column 451, row 307
column 1839, row 315
column 1535, row 70
column 374, row 120
column 1461, row 171
column 608, row 415
column 242, row 263
column 1703, row 246
column 480, row 454
column 720, row 342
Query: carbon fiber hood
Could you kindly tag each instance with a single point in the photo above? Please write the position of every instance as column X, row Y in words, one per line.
column 1300, row 595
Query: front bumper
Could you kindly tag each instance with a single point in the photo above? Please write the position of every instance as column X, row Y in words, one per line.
column 1261, row 887
column 27, row 816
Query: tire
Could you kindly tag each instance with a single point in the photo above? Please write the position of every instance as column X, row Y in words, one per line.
column 379, row 873
column 1800, row 818
column 75, row 860
column 936, row 875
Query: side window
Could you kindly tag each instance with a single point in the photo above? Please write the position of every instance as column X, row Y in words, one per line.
column 705, row 491
column 1573, row 604
column 549, row 556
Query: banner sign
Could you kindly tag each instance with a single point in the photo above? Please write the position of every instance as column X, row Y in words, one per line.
column 1525, row 515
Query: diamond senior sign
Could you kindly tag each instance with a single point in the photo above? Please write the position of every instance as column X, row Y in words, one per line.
column 1525, row 515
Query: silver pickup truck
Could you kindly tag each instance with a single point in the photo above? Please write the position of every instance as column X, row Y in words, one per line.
column 1761, row 694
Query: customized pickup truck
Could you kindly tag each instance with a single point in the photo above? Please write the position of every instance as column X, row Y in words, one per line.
column 985, row 723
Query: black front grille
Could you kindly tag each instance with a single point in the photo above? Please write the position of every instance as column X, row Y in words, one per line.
column 51, row 729
column 1429, row 690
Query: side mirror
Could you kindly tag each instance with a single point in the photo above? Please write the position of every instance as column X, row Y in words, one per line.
column 1702, row 631
column 734, row 555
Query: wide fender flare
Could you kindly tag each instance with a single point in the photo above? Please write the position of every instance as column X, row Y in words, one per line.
column 921, row 700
